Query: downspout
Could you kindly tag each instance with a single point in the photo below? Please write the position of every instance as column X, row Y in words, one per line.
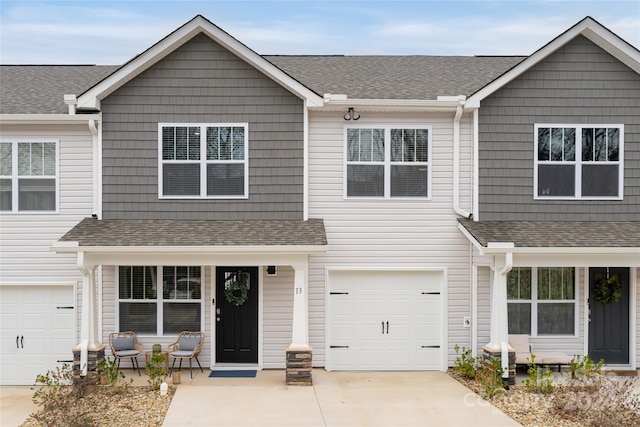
column 456, row 159
column 96, row 172
column 305, row 166
column 504, row 345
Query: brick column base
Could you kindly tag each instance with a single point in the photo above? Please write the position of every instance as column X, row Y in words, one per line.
column 299, row 366
column 489, row 354
column 93, row 358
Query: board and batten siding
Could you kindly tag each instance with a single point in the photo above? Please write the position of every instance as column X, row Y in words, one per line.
column 201, row 82
column 578, row 84
column 25, row 257
column 391, row 234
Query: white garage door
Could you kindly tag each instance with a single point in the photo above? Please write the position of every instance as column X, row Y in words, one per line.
column 37, row 331
column 385, row 320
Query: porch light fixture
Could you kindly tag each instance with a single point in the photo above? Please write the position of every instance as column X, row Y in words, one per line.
column 271, row 270
column 351, row 114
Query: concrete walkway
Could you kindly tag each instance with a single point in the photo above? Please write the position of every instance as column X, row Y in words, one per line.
column 335, row 399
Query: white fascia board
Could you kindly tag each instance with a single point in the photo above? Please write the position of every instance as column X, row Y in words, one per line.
column 588, row 28
column 91, row 98
column 472, row 239
column 67, row 247
column 47, row 119
column 339, row 103
column 490, row 250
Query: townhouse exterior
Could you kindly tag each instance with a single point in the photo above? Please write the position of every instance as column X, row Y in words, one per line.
column 378, row 210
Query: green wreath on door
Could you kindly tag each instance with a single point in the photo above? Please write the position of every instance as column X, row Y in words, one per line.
column 609, row 290
column 236, row 293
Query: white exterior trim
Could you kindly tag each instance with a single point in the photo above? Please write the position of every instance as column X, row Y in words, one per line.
column 589, row 28
column 91, row 98
column 47, row 119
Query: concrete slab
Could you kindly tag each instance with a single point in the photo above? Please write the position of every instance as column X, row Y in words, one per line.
column 15, row 405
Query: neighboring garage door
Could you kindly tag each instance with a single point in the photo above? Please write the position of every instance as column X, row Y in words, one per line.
column 37, row 333
column 385, row 320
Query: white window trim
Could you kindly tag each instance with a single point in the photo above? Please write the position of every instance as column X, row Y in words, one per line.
column 15, row 177
column 578, row 161
column 203, row 161
column 534, row 301
column 158, row 301
column 387, row 161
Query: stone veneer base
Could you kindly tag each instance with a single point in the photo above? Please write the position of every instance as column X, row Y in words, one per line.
column 299, row 366
column 489, row 354
column 93, row 358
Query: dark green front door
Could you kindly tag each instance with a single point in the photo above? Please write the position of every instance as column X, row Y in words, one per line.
column 236, row 315
column 609, row 323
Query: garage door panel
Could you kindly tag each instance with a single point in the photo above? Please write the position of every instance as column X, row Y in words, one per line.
column 408, row 301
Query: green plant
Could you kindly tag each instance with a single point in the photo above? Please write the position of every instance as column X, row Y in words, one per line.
column 465, row 364
column 584, row 367
column 540, row 380
column 112, row 376
column 489, row 375
column 58, row 395
column 157, row 371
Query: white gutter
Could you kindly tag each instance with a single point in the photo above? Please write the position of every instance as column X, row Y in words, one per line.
column 96, row 171
column 337, row 102
column 73, row 247
column 47, row 119
column 456, row 159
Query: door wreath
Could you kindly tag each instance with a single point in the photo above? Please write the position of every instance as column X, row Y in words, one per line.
column 236, row 293
column 609, row 290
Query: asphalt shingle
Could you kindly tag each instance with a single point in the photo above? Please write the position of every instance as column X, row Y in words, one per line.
column 93, row 232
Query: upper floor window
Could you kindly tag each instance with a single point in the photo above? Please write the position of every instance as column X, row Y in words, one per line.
column 28, row 176
column 203, row 160
column 388, row 162
column 579, row 162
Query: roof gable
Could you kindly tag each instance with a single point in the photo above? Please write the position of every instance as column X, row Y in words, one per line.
column 198, row 25
column 589, row 28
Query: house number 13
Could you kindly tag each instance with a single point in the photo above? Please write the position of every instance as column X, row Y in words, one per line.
column 298, row 291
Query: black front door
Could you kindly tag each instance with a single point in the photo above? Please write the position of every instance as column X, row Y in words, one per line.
column 236, row 312
column 609, row 323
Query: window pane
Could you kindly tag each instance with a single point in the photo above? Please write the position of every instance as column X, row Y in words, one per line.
column 181, row 282
column 238, row 143
column 180, row 317
column 409, row 181
column 519, row 315
column 365, row 180
column 556, row 145
column 6, row 160
column 125, row 282
column 168, row 143
column 225, row 143
column 181, row 144
column 193, row 143
column 543, row 283
column 525, row 282
column 24, row 159
column 37, row 195
column 600, row 150
column 519, row 283
column 5, row 195
column 613, row 144
column 600, row 180
column 366, row 145
column 378, row 145
column 543, row 144
column 353, row 145
column 422, row 145
column 569, row 144
column 556, row 318
column 181, row 179
column 396, row 145
column 556, row 180
column 213, row 142
column 225, row 179
column 50, row 158
column 140, row 317
column 587, row 144
column 409, row 148
column 568, row 283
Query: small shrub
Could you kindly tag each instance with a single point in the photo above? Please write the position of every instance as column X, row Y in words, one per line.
column 540, row 380
column 157, row 371
column 58, row 396
column 490, row 376
column 584, row 367
column 465, row 364
column 112, row 376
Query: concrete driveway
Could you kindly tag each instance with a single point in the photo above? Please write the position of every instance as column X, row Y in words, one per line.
column 336, row 399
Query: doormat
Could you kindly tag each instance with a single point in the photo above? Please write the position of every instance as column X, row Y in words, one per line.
column 233, row 374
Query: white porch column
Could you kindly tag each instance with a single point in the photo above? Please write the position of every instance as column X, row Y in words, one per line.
column 499, row 330
column 89, row 341
column 300, row 330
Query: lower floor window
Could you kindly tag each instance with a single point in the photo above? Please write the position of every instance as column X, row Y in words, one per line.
column 160, row 301
column 542, row 301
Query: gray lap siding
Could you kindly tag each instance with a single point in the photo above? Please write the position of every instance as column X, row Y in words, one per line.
column 578, row 84
column 201, row 82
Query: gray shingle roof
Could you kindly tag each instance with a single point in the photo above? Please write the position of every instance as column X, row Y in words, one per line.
column 529, row 234
column 93, row 232
column 40, row 89
column 395, row 77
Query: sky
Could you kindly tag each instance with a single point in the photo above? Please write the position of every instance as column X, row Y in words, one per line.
column 112, row 32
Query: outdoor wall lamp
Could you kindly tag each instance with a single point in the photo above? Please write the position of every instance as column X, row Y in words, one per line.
column 351, row 114
column 271, row 270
